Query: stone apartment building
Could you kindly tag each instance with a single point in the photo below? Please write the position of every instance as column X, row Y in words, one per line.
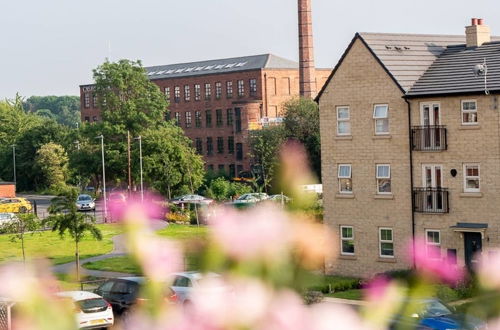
column 217, row 102
column 410, row 129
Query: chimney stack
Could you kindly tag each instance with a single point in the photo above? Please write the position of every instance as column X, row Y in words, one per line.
column 307, row 72
column 477, row 33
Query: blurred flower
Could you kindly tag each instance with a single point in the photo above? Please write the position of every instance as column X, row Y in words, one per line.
column 262, row 232
column 134, row 208
column 488, row 272
column 433, row 268
column 229, row 304
column 311, row 242
column 158, row 257
column 383, row 298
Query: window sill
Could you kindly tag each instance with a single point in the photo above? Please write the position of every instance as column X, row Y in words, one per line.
column 382, row 137
column 388, row 260
column 347, row 257
column 471, row 195
column 344, row 196
column 343, row 137
column 383, row 196
column 468, row 127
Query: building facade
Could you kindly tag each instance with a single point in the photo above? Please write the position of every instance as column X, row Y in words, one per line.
column 411, row 148
column 218, row 102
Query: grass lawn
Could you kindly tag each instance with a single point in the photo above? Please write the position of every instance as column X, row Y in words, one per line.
column 49, row 244
column 355, row 294
column 183, row 232
column 125, row 264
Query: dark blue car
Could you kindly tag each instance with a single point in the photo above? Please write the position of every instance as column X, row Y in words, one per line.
column 427, row 314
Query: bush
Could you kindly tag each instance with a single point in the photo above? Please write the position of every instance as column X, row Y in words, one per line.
column 329, row 284
column 447, row 294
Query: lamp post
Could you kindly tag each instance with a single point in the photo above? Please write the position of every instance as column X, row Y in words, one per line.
column 14, row 162
column 139, row 138
column 101, row 137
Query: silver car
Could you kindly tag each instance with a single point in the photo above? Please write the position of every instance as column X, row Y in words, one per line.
column 185, row 282
column 85, row 203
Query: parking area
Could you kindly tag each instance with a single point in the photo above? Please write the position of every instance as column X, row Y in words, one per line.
column 41, row 204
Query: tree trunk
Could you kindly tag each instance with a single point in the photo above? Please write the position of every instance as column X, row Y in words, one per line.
column 77, row 255
column 22, row 247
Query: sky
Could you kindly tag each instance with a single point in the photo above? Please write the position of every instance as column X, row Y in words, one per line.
column 49, row 47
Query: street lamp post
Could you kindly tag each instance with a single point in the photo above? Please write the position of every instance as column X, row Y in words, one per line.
column 14, row 162
column 140, row 166
column 101, row 137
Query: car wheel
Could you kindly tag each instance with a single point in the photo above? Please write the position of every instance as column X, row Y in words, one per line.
column 23, row 209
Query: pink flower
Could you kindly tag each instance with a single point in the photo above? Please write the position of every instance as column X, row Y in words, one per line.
column 433, row 268
column 134, row 208
column 377, row 288
column 158, row 257
column 262, row 232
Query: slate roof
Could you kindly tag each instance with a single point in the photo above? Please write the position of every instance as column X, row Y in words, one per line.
column 408, row 56
column 453, row 72
column 227, row 65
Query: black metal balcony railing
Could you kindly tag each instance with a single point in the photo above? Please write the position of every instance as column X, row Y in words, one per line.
column 431, row 200
column 429, row 138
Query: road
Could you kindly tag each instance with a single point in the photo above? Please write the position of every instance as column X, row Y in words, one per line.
column 43, row 202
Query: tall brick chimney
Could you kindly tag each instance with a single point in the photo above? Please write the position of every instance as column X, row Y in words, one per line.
column 477, row 33
column 306, row 51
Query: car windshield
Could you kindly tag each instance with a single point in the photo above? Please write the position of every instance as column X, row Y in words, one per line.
column 84, row 198
column 434, row 308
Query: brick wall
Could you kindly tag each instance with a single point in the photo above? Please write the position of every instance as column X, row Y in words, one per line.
column 274, row 87
column 466, row 144
column 360, row 82
column 7, row 190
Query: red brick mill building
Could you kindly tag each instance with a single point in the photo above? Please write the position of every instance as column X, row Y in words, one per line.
column 218, row 102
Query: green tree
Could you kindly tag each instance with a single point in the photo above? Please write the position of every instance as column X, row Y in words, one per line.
column 264, row 151
column 63, row 109
column 52, row 159
column 20, row 226
column 127, row 97
column 171, row 165
column 301, row 123
column 64, row 218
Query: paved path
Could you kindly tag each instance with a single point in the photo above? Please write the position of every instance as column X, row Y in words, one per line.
column 119, row 249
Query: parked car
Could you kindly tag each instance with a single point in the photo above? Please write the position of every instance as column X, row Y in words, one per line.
column 124, row 292
column 248, row 200
column 185, row 282
column 85, row 203
column 433, row 314
column 280, row 198
column 15, row 205
column 191, row 199
column 7, row 217
column 92, row 311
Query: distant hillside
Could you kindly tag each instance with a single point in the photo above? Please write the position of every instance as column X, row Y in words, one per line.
column 63, row 109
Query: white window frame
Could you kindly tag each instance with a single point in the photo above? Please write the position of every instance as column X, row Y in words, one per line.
column 431, row 107
column 380, row 241
column 383, row 178
column 428, row 243
column 468, row 111
column 348, row 120
column 342, row 239
column 340, row 177
column 375, row 119
column 472, row 190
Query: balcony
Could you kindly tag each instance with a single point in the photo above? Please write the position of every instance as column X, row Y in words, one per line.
column 431, row 200
column 429, row 138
